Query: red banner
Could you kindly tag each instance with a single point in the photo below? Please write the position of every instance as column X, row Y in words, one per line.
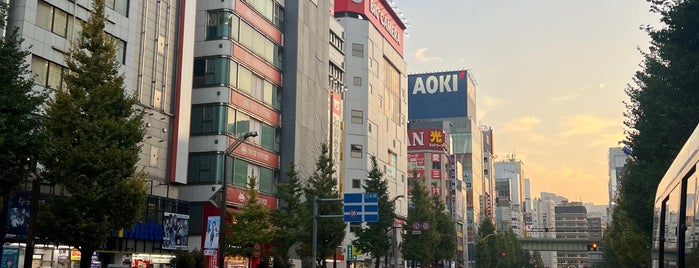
column 256, row 154
column 254, row 107
column 427, row 139
column 416, row 161
column 239, row 197
column 436, row 174
column 420, row 173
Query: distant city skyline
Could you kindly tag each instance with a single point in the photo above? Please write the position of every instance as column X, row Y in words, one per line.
column 551, row 78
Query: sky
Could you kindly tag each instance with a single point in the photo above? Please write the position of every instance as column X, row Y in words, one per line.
column 551, row 77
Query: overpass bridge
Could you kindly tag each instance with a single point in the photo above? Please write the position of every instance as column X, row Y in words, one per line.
column 555, row 244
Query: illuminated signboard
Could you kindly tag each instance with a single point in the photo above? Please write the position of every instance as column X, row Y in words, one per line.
column 381, row 15
column 438, row 95
column 427, row 139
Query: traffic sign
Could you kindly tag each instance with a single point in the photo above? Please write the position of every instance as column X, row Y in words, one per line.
column 426, row 225
column 361, row 207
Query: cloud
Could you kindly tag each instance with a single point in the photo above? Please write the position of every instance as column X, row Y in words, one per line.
column 522, row 124
column 485, row 104
column 420, row 56
column 585, row 125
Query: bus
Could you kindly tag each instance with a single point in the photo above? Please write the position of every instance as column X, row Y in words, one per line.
column 675, row 215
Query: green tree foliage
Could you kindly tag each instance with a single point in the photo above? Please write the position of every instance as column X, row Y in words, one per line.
column 624, row 244
column 95, row 138
column 184, row 259
column 661, row 114
column 485, row 251
column 420, row 247
column 375, row 237
column 446, row 228
column 285, row 219
column 19, row 114
column 331, row 231
column 251, row 230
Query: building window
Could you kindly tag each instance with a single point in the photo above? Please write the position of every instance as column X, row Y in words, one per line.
column 119, row 6
column 357, row 117
column 356, row 183
column 222, row 24
column 208, row 119
column 357, row 50
column 46, row 73
column 214, row 71
column 356, row 151
column 357, row 81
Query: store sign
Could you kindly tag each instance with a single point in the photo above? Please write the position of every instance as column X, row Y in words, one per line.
column 143, row 231
column 427, row 139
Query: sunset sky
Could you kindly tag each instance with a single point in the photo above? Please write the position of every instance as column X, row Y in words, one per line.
column 551, row 77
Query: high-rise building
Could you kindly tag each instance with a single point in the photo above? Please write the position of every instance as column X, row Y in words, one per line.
column 572, row 223
column 488, row 198
column 512, row 170
column 450, row 97
column 155, row 45
column 375, row 104
column 544, row 226
column 617, row 161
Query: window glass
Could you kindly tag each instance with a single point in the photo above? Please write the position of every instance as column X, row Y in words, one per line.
column 60, row 21
column 244, row 80
column 242, row 124
column 267, row 139
column 40, row 70
column 266, row 180
column 44, row 15
column 357, row 116
column 240, row 173
column 671, row 222
column 230, row 121
column 233, row 73
column 691, row 238
column 356, row 150
column 217, row 71
column 269, row 93
column 55, row 76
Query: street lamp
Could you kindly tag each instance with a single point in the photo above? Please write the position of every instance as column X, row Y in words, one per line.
column 224, row 199
column 394, row 235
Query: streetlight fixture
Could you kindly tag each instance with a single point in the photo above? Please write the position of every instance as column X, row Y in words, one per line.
column 394, row 236
column 224, row 199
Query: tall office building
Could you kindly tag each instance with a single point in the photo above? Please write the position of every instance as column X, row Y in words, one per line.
column 488, row 198
column 544, row 226
column 375, row 102
column 617, row 160
column 154, row 41
column 512, row 170
column 572, row 223
column 450, row 97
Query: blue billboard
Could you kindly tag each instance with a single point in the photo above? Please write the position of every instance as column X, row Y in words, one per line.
column 438, row 95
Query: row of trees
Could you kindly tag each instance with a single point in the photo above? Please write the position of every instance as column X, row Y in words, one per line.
column 502, row 249
column 661, row 114
column 288, row 229
column 86, row 136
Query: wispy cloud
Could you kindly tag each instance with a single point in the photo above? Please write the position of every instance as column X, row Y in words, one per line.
column 420, row 56
column 485, row 104
column 522, row 124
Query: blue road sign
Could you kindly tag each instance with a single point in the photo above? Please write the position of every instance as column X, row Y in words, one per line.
column 361, row 207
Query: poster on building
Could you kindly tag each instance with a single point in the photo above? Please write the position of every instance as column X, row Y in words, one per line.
column 212, row 231
column 436, row 174
column 18, row 216
column 176, row 231
column 10, row 256
column 420, row 173
column 416, row 161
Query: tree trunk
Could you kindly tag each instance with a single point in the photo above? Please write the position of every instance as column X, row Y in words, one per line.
column 86, row 256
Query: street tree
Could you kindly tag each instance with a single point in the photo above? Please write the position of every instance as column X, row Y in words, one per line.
column 251, row 230
column 485, row 247
column 445, row 226
column 94, row 141
column 286, row 219
column 331, row 231
column 375, row 237
column 420, row 245
column 660, row 116
column 20, row 123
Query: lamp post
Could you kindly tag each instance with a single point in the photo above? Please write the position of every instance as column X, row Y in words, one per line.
column 224, row 198
column 394, row 236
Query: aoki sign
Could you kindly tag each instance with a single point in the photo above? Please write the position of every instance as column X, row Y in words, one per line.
column 438, row 95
